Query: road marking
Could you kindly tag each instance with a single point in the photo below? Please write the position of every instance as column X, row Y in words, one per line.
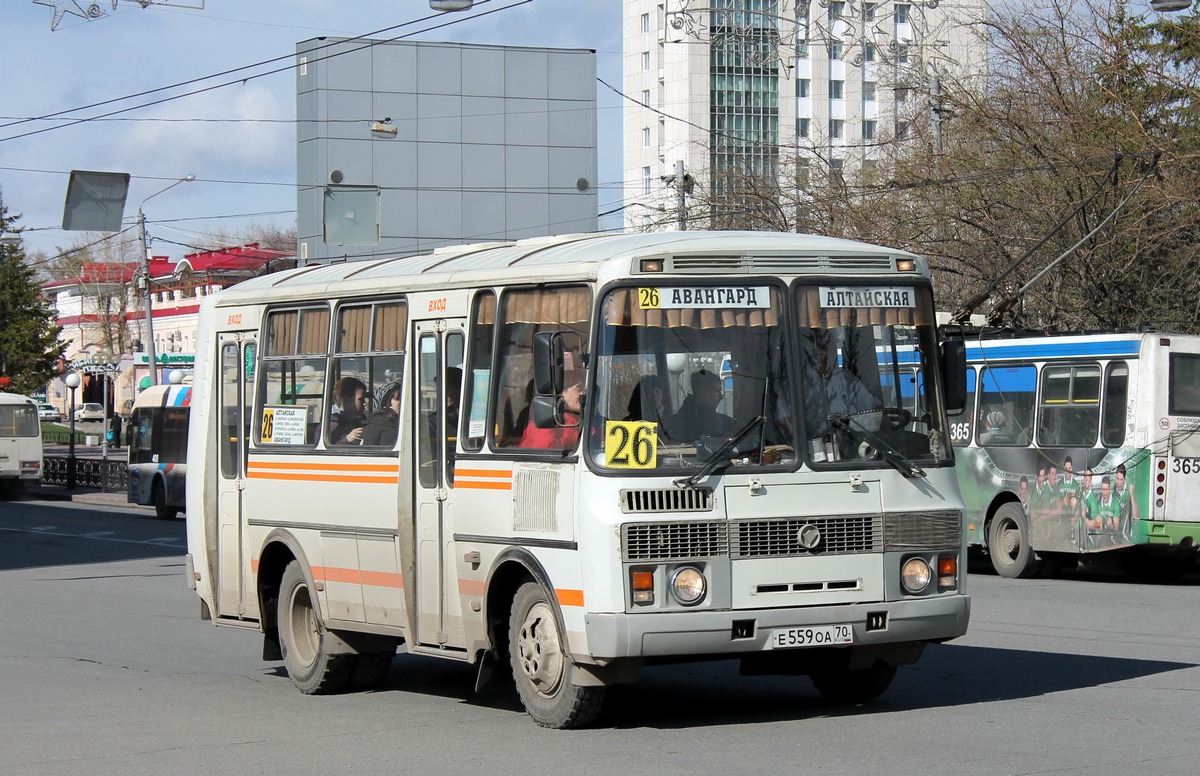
column 172, row 542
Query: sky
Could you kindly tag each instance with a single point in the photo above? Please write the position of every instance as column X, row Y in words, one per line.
column 240, row 140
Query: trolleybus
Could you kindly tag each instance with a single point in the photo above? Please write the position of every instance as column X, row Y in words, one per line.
column 522, row 456
column 1074, row 445
column 158, row 437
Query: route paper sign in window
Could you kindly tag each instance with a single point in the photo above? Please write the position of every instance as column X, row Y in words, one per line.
column 687, row 298
column 842, row 297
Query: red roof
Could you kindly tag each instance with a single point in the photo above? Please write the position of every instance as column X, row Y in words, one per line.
column 247, row 258
column 98, row 272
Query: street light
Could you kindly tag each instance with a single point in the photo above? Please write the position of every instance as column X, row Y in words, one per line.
column 104, row 361
column 141, row 219
column 71, row 381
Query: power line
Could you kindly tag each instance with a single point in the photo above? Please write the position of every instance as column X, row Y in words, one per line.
column 291, row 66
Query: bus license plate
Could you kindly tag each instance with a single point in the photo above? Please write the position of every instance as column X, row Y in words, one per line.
column 824, row 635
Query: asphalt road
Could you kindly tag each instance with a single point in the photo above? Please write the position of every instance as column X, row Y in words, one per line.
column 106, row 668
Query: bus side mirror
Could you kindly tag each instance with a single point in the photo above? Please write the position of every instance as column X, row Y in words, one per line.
column 549, row 355
column 954, row 373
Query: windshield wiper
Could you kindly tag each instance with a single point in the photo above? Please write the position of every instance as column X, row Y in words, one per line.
column 719, row 455
column 886, row 450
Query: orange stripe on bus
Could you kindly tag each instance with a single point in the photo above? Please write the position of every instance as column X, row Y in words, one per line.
column 473, row 587
column 328, row 467
column 325, row 478
column 254, row 565
column 358, row 577
column 473, row 485
column 493, row 473
column 569, row 597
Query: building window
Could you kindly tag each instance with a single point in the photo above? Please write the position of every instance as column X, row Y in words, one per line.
column 902, row 53
column 801, row 49
column 836, row 89
column 901, row 95
column 836, row 168
column 868, row 52
column 868, row 91
column 802, row 127
column 645, row 22
column 645, row 97
column 835, row 50
column 836, row 9
column 802, row 173
column 802, row 87
column 837, row 128
column 868, row 168
column 646, row 180
column 902, row 10
column 645, row 60
column 645, row 137
column 901, row 130
column 869, row 11
column 868, row 130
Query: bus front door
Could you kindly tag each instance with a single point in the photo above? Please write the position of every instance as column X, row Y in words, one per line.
column 438, row 370
column 236, row 359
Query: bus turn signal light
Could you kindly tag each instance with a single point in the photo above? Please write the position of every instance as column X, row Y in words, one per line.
column 642, row 584
column 947, row 571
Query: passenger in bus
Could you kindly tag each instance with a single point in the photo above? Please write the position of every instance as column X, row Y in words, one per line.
column 559, row 437
column 698, row 414
column 384, row 425
column 349, row 417
column 646, row 401
column 994, row 428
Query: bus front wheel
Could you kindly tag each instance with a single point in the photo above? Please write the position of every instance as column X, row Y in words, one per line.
column 312, row 669
column 1009, row 546
column 542, row 669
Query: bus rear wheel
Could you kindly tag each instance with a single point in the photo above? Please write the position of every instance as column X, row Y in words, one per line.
column 543, row 671
column 309, row 665
column 161, row 510
column 1009, row 546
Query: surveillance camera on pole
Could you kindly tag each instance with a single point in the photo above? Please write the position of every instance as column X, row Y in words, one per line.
column 451, row 5
column 1170, row 6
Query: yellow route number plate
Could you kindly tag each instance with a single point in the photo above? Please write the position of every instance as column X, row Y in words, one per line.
column 630, row 444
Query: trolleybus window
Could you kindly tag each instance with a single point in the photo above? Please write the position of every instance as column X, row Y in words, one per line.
column 1116, row 397
column 1183, row 393
column 1070, row 413
column 1009, row 391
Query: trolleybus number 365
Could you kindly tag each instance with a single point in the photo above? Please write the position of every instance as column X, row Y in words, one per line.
column 781, row 638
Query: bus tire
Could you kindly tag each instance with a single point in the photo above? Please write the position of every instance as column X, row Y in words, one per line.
column 159, row 498
column 1009, row 545
column 542, row 669
column 853, row 685
column 309, row 665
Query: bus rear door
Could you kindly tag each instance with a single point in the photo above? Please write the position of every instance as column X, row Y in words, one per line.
column 236, row 380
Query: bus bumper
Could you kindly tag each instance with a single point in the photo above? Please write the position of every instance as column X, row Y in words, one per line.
column 678, row 634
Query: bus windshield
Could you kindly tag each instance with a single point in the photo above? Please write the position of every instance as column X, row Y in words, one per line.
column 681, row 371
column 865, row 353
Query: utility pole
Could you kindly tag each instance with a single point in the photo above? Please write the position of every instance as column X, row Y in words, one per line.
column 935, row 106
column 146, row 256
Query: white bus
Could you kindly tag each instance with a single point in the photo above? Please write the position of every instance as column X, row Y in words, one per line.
column 20, row 442
column 554, row 482
column 158, row 438
column 1083, row 444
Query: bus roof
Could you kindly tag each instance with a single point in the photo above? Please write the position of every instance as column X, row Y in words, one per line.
column 564, row 257
column 15, row 398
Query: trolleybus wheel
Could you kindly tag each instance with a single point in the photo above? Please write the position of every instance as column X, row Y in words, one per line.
column 312, row 669
column 541, row 667
column 1008, row 544
column 161, row 510
column 854, row 685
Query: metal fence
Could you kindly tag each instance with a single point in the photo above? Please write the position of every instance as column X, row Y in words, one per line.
column 112, row 476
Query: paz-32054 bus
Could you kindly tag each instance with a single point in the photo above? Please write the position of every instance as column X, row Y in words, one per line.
column 566, row 458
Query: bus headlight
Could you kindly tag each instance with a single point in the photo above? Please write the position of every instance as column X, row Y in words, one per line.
column 915, row 575
column 688, row 585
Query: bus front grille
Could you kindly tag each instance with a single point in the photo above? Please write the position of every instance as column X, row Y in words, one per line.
column 926, row 530
column 805, row 536
column 642, row 542
column 656, row 500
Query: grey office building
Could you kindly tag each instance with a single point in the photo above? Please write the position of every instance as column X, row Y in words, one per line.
column 403, row 147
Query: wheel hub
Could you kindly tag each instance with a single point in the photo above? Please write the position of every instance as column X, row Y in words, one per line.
column 539, row 650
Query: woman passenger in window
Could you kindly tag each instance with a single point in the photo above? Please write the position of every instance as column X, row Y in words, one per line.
column 559, row 437
column 646, row 401
column 384, row 424
column 348, row 421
